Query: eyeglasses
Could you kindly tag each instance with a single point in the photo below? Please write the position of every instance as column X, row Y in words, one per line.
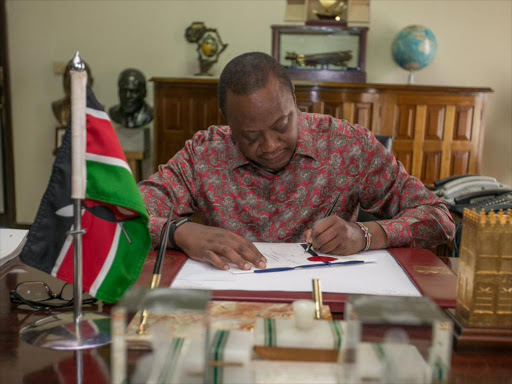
column 38, row 295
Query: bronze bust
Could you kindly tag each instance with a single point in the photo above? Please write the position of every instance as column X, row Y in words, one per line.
column 62, row 108
column 132, row 111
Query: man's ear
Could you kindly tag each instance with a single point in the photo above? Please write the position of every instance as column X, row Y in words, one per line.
column 293, row 93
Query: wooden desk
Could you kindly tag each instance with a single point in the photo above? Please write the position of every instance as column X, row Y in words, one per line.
column 22, row 363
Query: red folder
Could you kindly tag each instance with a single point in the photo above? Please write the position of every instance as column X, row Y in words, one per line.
column 427, row 272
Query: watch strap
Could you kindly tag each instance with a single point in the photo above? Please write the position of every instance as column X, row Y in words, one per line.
column 174, row 225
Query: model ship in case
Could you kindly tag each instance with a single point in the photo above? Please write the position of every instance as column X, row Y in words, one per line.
column 337, row 58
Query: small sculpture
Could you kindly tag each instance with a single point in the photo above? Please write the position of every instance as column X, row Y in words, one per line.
column 338, row 58
column 209, row 45
column 132, row 111
column 62, row 108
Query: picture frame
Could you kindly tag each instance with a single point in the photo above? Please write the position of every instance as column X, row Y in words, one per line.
column 321, row 53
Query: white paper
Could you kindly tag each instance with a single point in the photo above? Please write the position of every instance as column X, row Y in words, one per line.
column 11, row 243
column 280, row 255
column 384, row 277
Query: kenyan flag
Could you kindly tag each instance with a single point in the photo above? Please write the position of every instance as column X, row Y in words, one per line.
column 116, row 241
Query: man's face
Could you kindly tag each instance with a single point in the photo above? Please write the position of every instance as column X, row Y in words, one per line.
column 264, row 124
column 131, row 95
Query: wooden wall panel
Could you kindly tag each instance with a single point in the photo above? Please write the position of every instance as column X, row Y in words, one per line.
column 431, row 167
column 305, row 106
column 459, row 163
column 463, row 123
column 437, row 131
column 405, row 158
column 333, row 109
column 364, row 114
column 435, row 122
column 171, row 118
column 404, row 121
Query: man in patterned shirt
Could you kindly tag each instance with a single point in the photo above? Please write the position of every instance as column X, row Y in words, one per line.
column 274, row 172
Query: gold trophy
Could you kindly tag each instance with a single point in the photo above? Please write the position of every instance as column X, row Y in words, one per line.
column 483, row 314
column 332, row 9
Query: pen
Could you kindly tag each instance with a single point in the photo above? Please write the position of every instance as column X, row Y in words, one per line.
column 283, row 269
column 326, row 215
column 157, row 270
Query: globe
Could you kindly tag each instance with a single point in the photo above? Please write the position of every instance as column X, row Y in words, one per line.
column 414, row 48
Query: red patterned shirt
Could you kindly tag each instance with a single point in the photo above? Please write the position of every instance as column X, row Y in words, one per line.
column 212, row 177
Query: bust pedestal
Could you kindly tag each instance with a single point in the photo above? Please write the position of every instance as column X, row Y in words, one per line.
column 136, row 144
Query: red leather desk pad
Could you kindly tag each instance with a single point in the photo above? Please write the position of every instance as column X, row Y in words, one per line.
column 427, row 272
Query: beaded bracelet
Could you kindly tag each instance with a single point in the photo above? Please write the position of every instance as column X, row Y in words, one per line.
column 367, row 235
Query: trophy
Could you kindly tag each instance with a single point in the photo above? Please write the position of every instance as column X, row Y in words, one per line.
column 332, row 9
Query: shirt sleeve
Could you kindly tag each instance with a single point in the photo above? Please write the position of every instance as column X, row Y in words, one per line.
column 171, row 188
column 410, row 214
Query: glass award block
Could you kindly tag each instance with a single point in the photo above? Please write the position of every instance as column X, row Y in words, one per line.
column 393, row 339
column 154, row 332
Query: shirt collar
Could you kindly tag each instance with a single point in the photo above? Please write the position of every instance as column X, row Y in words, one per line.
column 305, row 144
column 237, row 158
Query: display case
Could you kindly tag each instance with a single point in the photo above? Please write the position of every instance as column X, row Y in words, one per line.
column 321, row 53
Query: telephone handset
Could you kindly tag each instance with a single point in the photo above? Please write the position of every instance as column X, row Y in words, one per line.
column 459, row 186
column 439, row 183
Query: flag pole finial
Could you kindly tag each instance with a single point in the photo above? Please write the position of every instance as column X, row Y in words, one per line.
column 77, row 64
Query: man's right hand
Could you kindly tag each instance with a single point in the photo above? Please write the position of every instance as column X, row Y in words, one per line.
column 216, row 245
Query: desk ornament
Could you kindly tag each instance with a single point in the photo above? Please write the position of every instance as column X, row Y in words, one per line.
column 331, row 10
column 483, row 315
column 177, row 346
column 406, row 339
column 209, row 45
column 132, row 111
column 414, row 48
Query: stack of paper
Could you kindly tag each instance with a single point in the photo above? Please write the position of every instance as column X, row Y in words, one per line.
column 11, row 243
column 380, row 274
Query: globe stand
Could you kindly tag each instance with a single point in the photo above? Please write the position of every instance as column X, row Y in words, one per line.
column 410, row 79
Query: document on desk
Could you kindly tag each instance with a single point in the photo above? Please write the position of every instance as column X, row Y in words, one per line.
column 11, row 243
column 285, row 257
column 380, row 275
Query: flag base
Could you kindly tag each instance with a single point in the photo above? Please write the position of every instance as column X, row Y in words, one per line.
column 58, row 332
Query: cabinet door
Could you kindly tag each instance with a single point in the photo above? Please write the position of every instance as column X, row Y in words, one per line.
column 356, row 107
column 435, row 136
column 181, row 111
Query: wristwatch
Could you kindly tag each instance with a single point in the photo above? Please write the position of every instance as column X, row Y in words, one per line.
column 174, row 225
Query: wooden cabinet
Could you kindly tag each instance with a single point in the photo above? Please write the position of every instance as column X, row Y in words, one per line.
column 437, row 131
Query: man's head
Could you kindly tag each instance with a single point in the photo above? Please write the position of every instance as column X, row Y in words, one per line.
column 132, row 90
column 257, row 99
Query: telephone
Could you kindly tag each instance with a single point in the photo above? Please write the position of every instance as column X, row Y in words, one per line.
column 494, row 201
column 474, row 191
column 457, row 186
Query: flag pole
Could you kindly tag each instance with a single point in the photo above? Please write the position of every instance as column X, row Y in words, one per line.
column 78, row 178
column 60, row 331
